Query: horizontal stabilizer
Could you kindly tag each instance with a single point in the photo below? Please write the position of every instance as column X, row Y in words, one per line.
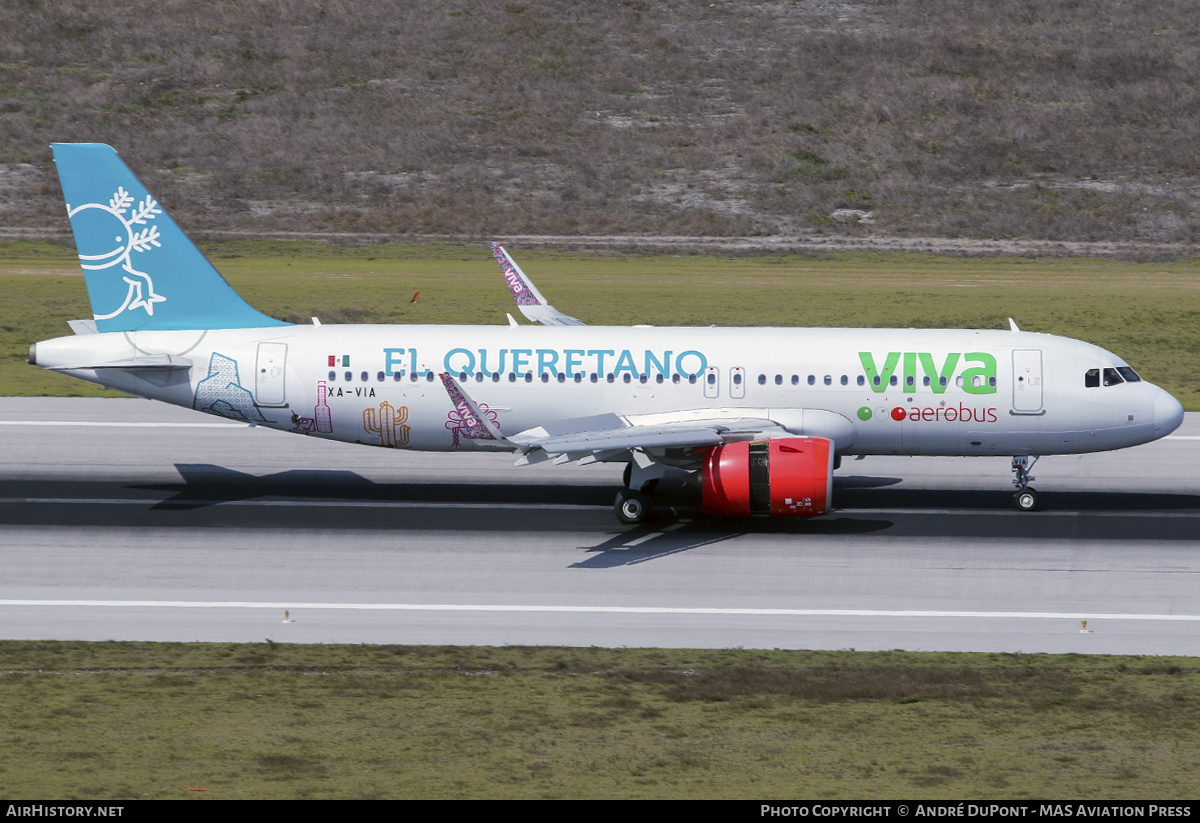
column 149, row 362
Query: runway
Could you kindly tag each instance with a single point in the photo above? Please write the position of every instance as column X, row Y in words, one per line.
column 129, row 520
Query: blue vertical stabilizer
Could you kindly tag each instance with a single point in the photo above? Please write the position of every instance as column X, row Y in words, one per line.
column 142, row 272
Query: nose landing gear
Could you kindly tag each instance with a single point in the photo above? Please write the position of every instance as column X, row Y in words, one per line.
column 1026, row 498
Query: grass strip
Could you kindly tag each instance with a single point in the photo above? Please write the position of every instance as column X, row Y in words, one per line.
column 151, row 720
column 1147, row 313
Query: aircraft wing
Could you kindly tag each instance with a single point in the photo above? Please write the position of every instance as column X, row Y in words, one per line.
column 607, row 436
column 592, row 439
column 529, row 300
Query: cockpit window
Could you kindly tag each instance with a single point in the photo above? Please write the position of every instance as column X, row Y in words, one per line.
column 1091, row 379
column 1129, row 374
column 1111, row 378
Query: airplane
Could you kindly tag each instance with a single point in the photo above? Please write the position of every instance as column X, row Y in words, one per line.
column 727, row 421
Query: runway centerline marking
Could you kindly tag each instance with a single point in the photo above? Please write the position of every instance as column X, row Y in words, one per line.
column 295, row 607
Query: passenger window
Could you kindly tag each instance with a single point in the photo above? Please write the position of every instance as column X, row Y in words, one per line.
column 712, row 380
column 861, row 380
column 762, row 380
column 1091, row 379
column 925, row 380
column 1111, row 378
column 910, row 381
column 737, row 378
column 812, row 380
column 380, row 377
column 332, row 376
column 795, row 380
column 829, row 380
column 845, row 380
column 895, row 380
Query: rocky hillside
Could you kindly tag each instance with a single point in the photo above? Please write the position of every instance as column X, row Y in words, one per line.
column 1055, row 120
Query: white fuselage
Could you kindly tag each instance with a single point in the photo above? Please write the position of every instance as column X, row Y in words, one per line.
column 903, row 391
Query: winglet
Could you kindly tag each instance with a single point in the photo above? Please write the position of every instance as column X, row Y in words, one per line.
column 475, row 424
column 529, row 300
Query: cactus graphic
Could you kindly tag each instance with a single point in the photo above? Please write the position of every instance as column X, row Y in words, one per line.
column 388, row 423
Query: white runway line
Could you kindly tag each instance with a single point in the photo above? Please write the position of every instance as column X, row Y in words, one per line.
column 296, row 608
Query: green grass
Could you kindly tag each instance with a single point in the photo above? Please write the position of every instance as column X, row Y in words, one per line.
column 1148, row 313
column 131, row 720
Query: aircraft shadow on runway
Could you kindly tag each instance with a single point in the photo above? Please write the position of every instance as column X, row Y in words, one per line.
column 671, row 533
column 210, row 485
column 330, row 499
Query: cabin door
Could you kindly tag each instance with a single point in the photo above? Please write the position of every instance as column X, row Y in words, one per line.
column 1027, row 381
column 269, row 374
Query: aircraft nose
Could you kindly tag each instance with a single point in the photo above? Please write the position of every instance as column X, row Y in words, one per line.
column 1168, row 414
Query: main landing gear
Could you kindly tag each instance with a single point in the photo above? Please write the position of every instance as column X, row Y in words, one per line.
column 633, row 504
column 1026, row 498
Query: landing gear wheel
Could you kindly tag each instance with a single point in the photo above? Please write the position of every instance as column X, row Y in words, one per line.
column 632, row 507
column 1026, row 500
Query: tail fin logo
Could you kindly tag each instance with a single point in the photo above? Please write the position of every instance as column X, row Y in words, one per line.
column 96, row 222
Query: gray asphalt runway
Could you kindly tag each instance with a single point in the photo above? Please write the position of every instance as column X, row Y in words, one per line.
column 125, row 519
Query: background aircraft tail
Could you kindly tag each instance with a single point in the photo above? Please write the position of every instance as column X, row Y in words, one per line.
column 142, row 272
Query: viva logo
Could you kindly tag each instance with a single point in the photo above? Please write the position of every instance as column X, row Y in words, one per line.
column 977, row 370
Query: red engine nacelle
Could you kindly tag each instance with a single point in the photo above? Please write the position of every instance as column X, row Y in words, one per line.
column 792, row 477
